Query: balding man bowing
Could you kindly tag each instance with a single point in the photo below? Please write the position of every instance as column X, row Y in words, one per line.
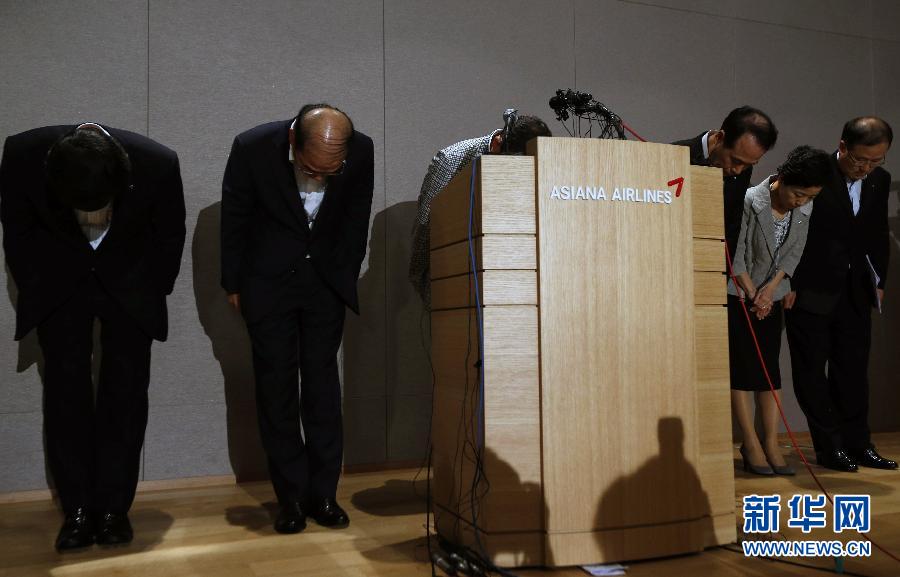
column 296, row 200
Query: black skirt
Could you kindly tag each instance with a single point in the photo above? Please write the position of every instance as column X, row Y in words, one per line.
column 746, row 371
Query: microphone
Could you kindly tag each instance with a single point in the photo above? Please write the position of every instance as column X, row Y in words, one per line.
column 582, row 106
column 510, row 115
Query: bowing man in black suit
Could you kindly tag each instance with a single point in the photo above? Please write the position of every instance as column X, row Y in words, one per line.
column 296, row 200
column 745, row 136
column 839, row 280
column 93, row 228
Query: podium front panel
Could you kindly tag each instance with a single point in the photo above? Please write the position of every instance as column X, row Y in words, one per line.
column 616, row 300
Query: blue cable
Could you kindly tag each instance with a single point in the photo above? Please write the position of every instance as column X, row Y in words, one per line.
column 478, row 311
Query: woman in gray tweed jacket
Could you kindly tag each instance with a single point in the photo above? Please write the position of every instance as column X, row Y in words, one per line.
column 773, row 234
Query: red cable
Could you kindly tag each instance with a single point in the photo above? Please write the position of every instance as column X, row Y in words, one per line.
column 796, row 447
column 636, row 135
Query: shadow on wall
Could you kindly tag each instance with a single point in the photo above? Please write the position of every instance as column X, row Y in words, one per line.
column 30, row 354
column 231, row 347
column 364, row 334
column 409, row 377
column 409, row 369
column 29, row 348
column 884, row 363
column 665, row 490
column 385, row 366
column 363, row 361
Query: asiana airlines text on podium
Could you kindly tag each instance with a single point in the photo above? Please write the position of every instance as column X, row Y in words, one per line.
column 613, row 194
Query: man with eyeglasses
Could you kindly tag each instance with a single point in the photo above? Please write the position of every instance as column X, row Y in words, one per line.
column 746, row 134
column 839, row 280
column 296, row 200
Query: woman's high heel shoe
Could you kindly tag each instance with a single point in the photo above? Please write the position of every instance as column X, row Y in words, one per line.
column 751, row 468
column 781, row 469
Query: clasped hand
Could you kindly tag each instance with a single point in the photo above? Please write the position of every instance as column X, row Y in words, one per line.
column 762, row 301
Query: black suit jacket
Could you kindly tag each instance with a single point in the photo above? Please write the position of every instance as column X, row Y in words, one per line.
column 48, row 255
column 838, row 243
column 265, row 230
column 733, row 188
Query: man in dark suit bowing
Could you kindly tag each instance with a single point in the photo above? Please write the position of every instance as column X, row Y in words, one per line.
column 746, row 135
column 839, row 280
column 296, row 200
column 93, row 228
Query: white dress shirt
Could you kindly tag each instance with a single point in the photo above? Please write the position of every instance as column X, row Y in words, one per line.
column 95, row 243
column 312, row 192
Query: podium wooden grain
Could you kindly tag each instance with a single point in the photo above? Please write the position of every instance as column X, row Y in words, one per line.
column 595, row 362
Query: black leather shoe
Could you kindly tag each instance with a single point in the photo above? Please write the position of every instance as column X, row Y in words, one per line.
column 76, row 532
column 870, row 458
column 114, row 529
column 291, row 518
column 838, row 460
column 329, row 514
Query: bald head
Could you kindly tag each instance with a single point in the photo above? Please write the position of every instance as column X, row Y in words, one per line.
column 324, row 127
column 867, row 131
column 320, row 138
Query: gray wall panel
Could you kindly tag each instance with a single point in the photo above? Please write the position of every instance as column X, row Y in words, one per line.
column 20, row 387
column 841, row 16
column 22, row 452
column 452, row 68
column 885, row 15
column 365, row 440
column 715, row 7
column 669, row 89
column 789, row 72
column 409, row 417
column 884, row 367
column 886, row 86
column 186, row 441
column 65, row 62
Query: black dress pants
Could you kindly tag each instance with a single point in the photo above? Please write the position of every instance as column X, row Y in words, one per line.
column 303, row 332
column 94, row 441
column 835, row 400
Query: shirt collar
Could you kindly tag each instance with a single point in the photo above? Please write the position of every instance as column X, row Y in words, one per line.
column 705, row 142
column 849, row 181
column 291, row 148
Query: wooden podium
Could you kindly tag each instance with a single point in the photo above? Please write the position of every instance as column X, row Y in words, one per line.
column 600, row 430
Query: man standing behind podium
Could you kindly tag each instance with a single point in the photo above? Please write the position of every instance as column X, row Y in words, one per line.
column 745, row 136
column 296, row 200
column 839, row 280
column 444, row 166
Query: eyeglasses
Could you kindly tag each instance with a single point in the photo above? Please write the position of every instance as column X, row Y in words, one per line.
column 860, row 162
column 301, row 166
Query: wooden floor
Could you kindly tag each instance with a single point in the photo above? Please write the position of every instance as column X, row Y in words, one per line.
column 226, row 531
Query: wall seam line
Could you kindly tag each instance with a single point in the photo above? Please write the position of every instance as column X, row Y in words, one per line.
column 385, row 240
